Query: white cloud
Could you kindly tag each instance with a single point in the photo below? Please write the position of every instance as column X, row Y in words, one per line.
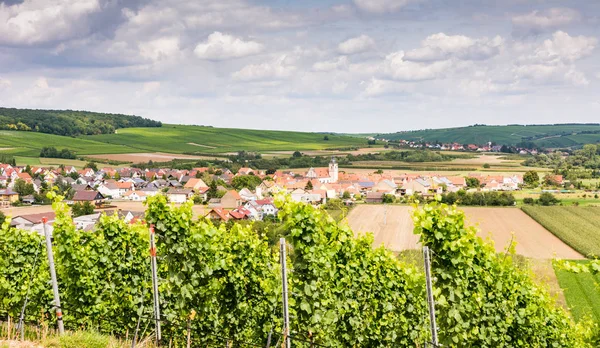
column 276, row 69
column 397, row 68
column 564, row 47
column 40, row 21
column 159, row 49
column 357, row 44
column 330, row 65
column 339, row 87
column 442, row 46
column 220, row 46
column 537, row 22
column 377, row 87
column 382, row 6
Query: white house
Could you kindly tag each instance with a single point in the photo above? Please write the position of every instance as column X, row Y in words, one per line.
column 179, row 195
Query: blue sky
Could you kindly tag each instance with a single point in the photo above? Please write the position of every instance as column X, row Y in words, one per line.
column 343, row 66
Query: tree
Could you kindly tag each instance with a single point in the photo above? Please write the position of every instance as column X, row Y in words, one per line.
column 297, row 154
column 387, row 198
column 92, row 165
column 547, row 198
column 309, row 185
column 486, row 165
column 326, row 138
column 247, row 181
column 23, row 188
column 472, row 182
column 2, row 218
column 346, row 195
column 212, row 190
column 79, row 209
column 117, row 176
column 531, row 178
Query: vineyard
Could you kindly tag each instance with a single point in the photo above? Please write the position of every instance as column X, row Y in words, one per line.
column 225, row 283
column 576, row 226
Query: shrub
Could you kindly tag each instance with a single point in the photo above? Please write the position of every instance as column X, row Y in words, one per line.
column 528, row 200
column 546, row 198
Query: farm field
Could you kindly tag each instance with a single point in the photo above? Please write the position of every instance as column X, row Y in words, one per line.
column 546, row 135
column 29, row 144
column 579, row 227
column 498, row 223
column 567, row 199
column 145, row 157
column 37, row 161
column 581, row 292
column 200, row 139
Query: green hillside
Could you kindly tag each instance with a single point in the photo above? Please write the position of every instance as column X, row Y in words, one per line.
column 29, row 144
column 200, row 139
column 560, row 135
column 173, row 139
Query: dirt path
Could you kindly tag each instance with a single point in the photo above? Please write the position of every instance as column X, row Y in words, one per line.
column 498, row 223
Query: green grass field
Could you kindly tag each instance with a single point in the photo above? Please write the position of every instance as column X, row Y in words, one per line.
column 179, row 139
column 579, row 227
column 582, row 293
column 29, row 144
column 189, row 139
column 547, row 135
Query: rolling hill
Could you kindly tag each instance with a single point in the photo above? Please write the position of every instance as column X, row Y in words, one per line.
column 177, row 139
column 548, row 136
column 201, row 139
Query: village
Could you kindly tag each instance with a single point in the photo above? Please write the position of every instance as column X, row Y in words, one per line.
column 212, row 188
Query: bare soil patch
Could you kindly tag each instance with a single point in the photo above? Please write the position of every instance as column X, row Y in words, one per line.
column 392, row 227
column 145, row 157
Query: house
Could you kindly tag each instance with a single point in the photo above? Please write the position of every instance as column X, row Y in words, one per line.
column 325, row 175
column 86, row 222
column 125, row 187
column 247, row 195
column 8, row 197
column 109, row 189
column 135, row 196
column 245, row 171
column 218, row 214
column 374, row 197
column 179, row 195
column 34, row 222
column 231, row 199
column 150, row 190
column 195, row 184
column 240, row 213
column 94, row 197
column 415, row 186
column 386, row 186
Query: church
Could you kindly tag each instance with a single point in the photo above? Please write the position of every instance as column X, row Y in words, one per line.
column 325, row 175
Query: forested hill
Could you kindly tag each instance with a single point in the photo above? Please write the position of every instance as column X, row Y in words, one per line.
column 69, row 122
column 547, row 136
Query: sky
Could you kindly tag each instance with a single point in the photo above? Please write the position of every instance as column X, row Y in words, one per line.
column 356, row 66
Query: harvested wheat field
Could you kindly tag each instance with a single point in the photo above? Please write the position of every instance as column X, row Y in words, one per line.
column 396, row 233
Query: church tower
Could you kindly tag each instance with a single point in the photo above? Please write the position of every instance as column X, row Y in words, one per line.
column 333, row 170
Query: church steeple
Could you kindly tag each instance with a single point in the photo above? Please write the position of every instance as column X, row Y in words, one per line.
column 333, row 170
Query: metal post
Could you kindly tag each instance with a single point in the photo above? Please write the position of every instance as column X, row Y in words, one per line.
column 430, row 303
column 155, row 284
column 59, row 319
column 22, row 316
column 286, row 316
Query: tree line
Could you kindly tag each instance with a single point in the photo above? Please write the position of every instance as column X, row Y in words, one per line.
column 69, row 122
